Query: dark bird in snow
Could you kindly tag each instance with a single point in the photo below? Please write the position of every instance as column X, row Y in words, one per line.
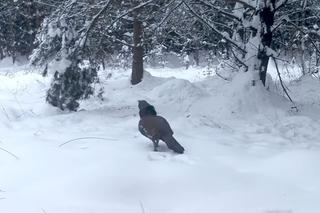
column 156, row 127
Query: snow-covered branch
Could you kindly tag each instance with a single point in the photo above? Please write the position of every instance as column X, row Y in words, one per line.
column 219, row 10
column 306, row 33
column 280, row 3
column 169, row 13
column 114, row 39
column 93, row 22
column 221, row 34
column 244, row 3
column 128, row 12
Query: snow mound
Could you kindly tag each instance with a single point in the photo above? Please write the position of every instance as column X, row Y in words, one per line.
column 300, row 130
column 239, row 98
column 22, row 96
column 306, row 90
column 8, row 67
column 177, row 93
column 161, row 92
column 247, row 99
column 149, row 82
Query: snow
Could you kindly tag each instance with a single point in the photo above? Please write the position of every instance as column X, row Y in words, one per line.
column 59, row 65
column 53, row 30
column 246, row 150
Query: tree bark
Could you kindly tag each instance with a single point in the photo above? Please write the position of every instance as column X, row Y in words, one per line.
column 302, row 44
column 137, row 63
column 267, row 20
column 264, row 60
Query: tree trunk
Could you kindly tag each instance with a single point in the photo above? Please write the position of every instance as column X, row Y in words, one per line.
column 196, row 56
column 264, row 60
column 317, row 60
column 267, row 20
column 137, row 63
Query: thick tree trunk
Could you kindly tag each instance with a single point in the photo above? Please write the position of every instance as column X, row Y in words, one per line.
column 267, row 20
column 137, row 63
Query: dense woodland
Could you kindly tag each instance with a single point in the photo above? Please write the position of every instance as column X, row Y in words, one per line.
column 74, row 39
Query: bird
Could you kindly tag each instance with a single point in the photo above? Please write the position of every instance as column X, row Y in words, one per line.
column 156, row 128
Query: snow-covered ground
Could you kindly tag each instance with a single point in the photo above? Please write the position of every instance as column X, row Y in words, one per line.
column 247, row 150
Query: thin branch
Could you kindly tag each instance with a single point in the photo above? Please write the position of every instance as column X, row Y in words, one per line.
column 282, row 84
column 10, row 153
column 120, row 17
column 245, row 4
column 128, row 12
column 169, row 14
column 304, row 33
column 117, row 40
column 219, row 75
column 237, row 59
column 280, row 4
column 311, row 18
column 85, row 138
column 213, row 28
column 229, row 15
column 5, row 112
column 94, row 20
column 142, row 207
column 46, row 4
column 292, row 41
column 220, row 24
column 281, row 59
column 277, row 26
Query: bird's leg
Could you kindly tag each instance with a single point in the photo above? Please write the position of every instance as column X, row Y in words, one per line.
column 155, row 144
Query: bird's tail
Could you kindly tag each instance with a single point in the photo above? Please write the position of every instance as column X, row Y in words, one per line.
column 173, row 144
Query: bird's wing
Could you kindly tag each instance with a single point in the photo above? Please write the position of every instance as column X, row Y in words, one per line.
column 144, row 131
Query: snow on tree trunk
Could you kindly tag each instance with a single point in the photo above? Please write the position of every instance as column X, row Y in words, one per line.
column 259, row 43
column 267, row 20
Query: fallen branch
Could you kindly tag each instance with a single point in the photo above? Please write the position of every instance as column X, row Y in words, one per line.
column 5, row 112
column 10, row 153
column 142, row 207
column 85, row 138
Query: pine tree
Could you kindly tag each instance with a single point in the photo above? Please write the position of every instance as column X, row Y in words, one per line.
column 20, row 21
column 62, row 49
